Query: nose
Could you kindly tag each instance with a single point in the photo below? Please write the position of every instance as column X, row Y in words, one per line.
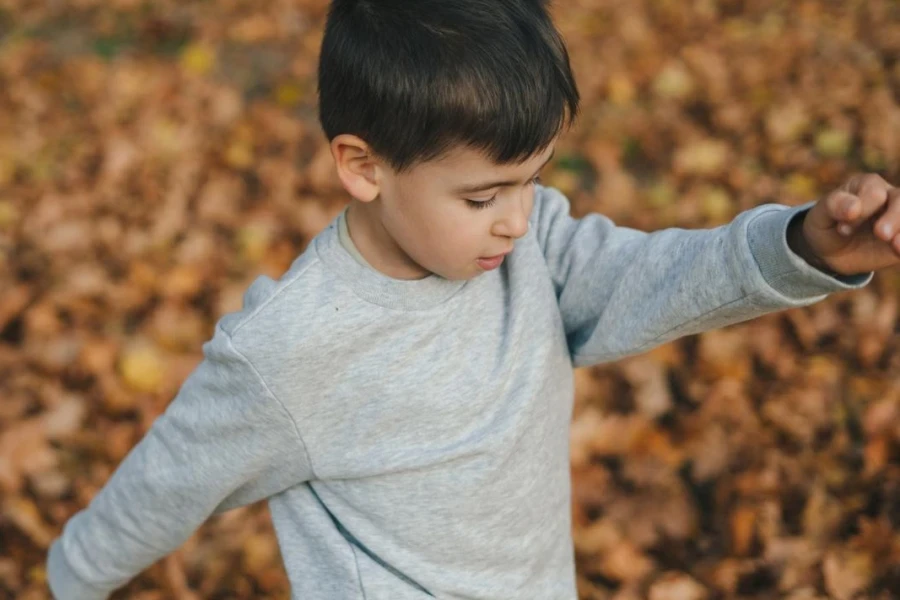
column 513, row 221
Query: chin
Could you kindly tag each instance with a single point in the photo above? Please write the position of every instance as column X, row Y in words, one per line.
column 456, row 276
column 468, row 276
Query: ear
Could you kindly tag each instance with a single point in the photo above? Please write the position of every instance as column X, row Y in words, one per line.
column 357, row 166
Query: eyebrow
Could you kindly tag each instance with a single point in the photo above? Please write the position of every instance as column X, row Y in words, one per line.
column 479, row 187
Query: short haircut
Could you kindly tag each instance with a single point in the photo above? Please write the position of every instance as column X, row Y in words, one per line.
column 416, row 78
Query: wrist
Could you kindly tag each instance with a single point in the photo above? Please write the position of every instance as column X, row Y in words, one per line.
column 799, row 245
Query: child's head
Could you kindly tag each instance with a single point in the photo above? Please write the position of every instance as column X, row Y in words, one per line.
column 422, row 98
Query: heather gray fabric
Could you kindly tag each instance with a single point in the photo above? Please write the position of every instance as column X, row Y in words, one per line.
column 412, row 436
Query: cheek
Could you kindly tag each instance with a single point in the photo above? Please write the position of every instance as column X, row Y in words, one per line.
column 456, row 234
column 433, row 226
column 454, row 228
column 530, row 193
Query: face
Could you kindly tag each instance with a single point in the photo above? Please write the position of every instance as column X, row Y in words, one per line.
column 449, row 216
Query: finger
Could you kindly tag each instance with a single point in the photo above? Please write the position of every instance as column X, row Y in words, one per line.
column 856, row 183
column 872, row 192
column 889, row 223
column 841, row 208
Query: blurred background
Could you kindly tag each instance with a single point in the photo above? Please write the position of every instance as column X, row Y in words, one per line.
column 156, row 157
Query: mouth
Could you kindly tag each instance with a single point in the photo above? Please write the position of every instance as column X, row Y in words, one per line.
column 491, row 262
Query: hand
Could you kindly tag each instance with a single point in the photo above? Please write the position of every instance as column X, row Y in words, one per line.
column 855, row 229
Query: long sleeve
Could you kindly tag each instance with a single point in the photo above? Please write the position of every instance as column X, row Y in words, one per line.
column 223, row 442
column 621, row 291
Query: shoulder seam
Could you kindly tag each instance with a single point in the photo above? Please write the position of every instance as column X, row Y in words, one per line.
column 269, row 300
column 274, row 397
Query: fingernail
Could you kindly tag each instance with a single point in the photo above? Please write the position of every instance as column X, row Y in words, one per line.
column 848, row 206
column 845, row 229
column 887, row 230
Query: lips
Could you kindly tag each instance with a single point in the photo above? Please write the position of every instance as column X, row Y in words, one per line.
column 491, row 262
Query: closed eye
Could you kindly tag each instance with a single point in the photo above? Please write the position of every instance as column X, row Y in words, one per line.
column 481, row 204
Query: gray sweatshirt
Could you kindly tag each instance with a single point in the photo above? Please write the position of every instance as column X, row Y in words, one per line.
column 412, row 437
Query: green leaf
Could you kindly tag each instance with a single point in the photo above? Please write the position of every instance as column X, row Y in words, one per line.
column 573, row 162
column 109, row 47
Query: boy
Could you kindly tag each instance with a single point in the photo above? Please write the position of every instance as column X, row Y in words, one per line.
column 402, row 395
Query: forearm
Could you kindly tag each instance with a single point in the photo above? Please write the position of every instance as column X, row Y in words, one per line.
column 673, row 283
column 223, row 442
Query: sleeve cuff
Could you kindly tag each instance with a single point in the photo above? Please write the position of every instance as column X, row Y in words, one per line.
column 784, row 270
column 65, row 584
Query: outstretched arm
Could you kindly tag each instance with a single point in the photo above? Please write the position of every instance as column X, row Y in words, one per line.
column 224, row 441
column 621, row 291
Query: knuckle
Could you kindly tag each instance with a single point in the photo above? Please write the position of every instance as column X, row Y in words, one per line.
column 874, row 182
column 836, row 200
column 874, row 177
column 854, row 181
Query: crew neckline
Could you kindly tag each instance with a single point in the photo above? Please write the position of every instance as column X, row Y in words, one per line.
column 373, row 285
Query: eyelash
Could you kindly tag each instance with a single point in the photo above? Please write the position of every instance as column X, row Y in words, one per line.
column 478, row 205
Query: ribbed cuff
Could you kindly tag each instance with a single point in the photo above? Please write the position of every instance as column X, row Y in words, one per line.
column 783, row 269
column 65, row 584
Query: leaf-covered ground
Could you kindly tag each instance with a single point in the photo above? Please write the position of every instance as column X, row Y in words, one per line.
column 155, row 157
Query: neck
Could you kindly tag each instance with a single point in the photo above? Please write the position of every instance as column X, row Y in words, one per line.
column 376, row 244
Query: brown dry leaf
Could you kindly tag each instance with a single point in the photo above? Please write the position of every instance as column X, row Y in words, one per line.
column 805, row 593
column 582, row 433
column 25, row 448
column 50, row 484
column 587, row 388
column 723, row 353
column 658, row 444
column 121, row 156
column 259, row 552
column 618, row 434
column 183, row 282
column 625, row 562
column 882, row 415
column 710, row 453
column 651, row 390
column 742, row 522
column 877, row 537
column 876, row 454
column 24, row 514
column 177, row 328
column 677, row 586
column 254, row 28
column 177, row 580
column 787, row 122
column 702, row 157
column 599, row 537
column 588, row 590
column 821, row 515
column 13, row 300
column 795, row 555
column 846, row 573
